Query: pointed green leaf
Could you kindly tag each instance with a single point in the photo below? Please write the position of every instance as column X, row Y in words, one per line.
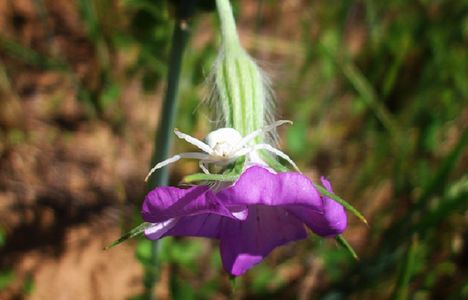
column 131, row 234
column 344, row 243
column 348, row 206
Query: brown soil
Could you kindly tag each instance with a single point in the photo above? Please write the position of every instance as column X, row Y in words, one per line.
column 67, row 181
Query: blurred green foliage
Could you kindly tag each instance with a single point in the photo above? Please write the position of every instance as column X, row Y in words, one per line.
column 2, row 237
column 6, row 278
column 149, row 27
column 409, row 81
column 28, row 285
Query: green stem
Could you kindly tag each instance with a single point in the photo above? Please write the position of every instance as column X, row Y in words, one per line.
column 163, row 139
column 164, row 136
column 228, row 25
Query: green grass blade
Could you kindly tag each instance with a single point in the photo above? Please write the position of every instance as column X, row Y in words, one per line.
column 131, row 234
column 407, row 269
column 368, row 95
column 344, row 243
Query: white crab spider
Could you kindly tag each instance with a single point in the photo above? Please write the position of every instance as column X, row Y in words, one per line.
column 223, row 146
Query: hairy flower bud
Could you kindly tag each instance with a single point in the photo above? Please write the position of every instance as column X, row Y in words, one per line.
column 241, row 93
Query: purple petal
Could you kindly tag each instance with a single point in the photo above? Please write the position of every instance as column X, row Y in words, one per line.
column 245, row 243
column 326, row 184
column 203, row 225
column 164, row 203
column 257, row 186
column 334, row 212
column 157, row 230
column 292, row 191
column 330, row 221
column 260, row 211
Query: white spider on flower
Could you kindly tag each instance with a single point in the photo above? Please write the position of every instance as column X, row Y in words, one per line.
column 223, row 146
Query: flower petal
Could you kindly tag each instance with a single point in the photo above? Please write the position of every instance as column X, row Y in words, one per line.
column 331, row 221
column 245, row 243
column 203, row 225
column 164, row 203
column 258, row 185
column 292, row 191
column 334, row 212
column 157, row 230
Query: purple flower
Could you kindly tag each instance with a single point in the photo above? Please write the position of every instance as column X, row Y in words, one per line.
column 260, row 211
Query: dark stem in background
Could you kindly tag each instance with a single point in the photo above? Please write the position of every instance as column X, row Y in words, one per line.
column 163, row 139
column 162, row 143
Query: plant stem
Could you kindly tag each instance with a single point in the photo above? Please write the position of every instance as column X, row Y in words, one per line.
column 228, row 25
column 163, row 139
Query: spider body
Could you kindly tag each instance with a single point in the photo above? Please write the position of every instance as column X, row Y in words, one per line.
column 222, row 141
column 224, row 146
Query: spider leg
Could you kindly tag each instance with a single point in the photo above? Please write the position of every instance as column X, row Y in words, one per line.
column 194, row 141
column 245, row 140
column 241, row 152
column 202, row 166
column 194, row 155
column 277, row 152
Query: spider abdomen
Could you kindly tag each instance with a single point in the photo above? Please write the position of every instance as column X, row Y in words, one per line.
column 223, row 141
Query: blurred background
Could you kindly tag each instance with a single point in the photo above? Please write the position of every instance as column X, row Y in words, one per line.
column 378, row 94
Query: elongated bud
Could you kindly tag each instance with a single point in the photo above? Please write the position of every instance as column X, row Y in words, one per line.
column 241, row 91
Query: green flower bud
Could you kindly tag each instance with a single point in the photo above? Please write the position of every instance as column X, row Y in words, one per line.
column 241, row 91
